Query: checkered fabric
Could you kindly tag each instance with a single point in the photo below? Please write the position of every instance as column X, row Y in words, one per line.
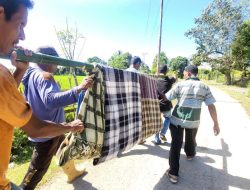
column 123, row 120
column 87, row 144
column 150, row 109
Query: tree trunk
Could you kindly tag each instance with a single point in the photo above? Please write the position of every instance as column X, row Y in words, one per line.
column 228, row 78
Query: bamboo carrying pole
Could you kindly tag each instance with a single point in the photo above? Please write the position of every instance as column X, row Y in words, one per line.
column 48, row 59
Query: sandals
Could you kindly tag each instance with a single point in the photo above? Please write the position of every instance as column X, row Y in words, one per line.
column 172, row 178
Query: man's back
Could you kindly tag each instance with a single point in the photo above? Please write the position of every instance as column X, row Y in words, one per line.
column 190, row 94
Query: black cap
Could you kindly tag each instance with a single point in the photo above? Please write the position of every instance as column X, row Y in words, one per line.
column 48, row 50
column 193, row 69
column 136, row 60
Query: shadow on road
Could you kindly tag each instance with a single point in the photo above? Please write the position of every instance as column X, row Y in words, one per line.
column 80, row 184
column 198, row 174
column 151, row 149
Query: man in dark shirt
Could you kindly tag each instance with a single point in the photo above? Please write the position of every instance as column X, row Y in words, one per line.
column 163, row 86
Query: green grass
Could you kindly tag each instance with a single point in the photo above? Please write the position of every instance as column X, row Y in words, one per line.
column 17, row 173
column 238, row 93
column 67, row 81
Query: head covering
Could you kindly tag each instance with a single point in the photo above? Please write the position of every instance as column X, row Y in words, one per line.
column 193, row 69
column 48, row 50
column 135, row 60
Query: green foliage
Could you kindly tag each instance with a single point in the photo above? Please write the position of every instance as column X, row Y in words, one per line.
column 197, row 58
column 178, row 65
column 214, row 33
column 204, row 74
column 120, row 60
column 144, row 68
column 21, row 148
column 163, row 60
column 96, row 59
column 241, row 47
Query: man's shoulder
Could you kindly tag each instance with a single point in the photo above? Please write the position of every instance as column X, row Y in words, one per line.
column 43, row 75
column 5, row 74
column 47, row 76
column 3, row 70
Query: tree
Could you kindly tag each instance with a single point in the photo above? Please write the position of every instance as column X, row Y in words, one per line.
column 241, row 47
column 214, row 33
column 120, row 60
column 144, row 68
column 163, row 60
column 69, row 40
column 178, row 65
column 96, row 59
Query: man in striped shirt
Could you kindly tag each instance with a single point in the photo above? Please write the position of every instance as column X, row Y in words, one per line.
column 186, row 116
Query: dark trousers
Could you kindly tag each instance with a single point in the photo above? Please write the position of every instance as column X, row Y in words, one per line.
column 41, row 158
column 176, row 144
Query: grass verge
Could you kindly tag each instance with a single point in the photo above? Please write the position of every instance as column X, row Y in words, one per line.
column 238, row 93
column 17, row 173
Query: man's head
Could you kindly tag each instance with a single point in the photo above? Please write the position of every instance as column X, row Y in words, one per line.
column 13, row 19
column 190, row 70
column 136, row 62
column 48, row 50
column 163, row 69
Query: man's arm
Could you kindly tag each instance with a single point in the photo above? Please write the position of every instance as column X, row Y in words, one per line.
column 36, row 128
column 213, row 114
column 53, row 99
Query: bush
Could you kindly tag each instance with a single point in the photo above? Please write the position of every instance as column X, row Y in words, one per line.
column 204, row 74
column 21, row 148
column 69, row 117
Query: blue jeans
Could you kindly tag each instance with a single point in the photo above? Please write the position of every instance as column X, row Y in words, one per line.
column 163, row 131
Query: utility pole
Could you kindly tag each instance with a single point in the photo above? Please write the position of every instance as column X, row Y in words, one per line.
column 144, row 56
column 159, row 47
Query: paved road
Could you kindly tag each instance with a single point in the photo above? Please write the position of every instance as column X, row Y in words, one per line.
column 222, row 162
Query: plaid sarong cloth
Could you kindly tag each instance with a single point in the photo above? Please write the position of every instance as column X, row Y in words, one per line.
column 87, row 144
column 150, row 109
column 122, row 112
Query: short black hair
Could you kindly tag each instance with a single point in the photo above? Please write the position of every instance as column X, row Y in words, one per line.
column 193, row 69
column 163, row 69
column 12, row 6
column 48, row 50
column 135, row 60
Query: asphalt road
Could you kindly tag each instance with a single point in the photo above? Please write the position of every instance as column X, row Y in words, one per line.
column 222, row 162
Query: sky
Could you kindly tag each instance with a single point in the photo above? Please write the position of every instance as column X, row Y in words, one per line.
column 111, row 25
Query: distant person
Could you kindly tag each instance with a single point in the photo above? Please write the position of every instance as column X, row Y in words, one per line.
column 47, row 102
column 135, row 64
column 186, row 116
column 164, row 84
column 15, row 112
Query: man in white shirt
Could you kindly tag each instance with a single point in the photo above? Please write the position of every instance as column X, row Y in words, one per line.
column 135, row 64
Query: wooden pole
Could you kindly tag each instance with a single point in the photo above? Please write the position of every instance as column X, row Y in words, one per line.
column 159, row 45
